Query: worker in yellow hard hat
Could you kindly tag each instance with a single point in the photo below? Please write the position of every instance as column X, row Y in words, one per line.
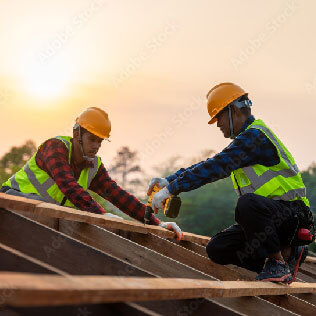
column 272, row 209
column 64, row 168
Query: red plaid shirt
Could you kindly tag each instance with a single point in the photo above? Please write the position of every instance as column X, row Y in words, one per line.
column 53, row 158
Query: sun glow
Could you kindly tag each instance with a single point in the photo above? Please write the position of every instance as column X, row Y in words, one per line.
column 46, row 80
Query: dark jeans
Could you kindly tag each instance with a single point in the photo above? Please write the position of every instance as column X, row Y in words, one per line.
column 264, row 226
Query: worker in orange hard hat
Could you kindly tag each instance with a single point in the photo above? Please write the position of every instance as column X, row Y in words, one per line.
column 274, row 221
column 226, row 96
column 64, row 168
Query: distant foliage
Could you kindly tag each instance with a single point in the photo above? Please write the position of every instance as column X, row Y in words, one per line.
column 126, row 170
column 15, row 159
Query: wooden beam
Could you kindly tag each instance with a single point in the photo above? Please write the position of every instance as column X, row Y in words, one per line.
column 310, row 259
column 67, row 254
column 221, row 272
column 16, row 203
column 49, row 290
column 192, row 246
column 183, row 255
column 144, row 258
column 16, row 261
column 110, row 309
column 112, row 244
column 181, row 242
column 57, row 249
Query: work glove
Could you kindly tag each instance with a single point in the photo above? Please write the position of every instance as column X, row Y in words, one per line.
column 113, row 216
column 161, row 183
column 159, row 198
column 173, row 227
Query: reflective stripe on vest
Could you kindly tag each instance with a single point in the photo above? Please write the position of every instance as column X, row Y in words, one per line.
column 32, row 179
column 41, row 188
column 258, row 181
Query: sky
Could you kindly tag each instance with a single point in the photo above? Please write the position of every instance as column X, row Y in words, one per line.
column 149, row 64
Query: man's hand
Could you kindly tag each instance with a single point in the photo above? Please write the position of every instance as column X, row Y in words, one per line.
column 113, row 216
column 159, row 197
column 173, row 227
column 161, row 183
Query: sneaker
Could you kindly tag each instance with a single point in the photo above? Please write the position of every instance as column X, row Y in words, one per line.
column 275, row 271
column 297, row 257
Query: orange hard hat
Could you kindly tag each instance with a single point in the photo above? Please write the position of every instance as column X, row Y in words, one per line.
column 220, row 96
column 95, row 121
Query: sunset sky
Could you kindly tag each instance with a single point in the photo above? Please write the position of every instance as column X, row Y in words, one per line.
column 149, row 64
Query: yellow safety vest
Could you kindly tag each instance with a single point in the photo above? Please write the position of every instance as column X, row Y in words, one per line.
column 32, row 179
column 279, row 182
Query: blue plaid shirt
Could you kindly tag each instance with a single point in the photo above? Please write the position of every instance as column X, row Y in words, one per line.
column 250, row 147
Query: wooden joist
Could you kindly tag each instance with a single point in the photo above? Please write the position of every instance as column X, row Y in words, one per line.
column 146, row 251
column 310, row 260
column 156, row 259
column 68, row 254
column 15, row 203
column 38, row 290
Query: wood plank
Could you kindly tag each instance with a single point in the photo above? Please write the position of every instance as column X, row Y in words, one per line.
column 76, row 262
column 13, row 260
column 49, row 290
column 16, row 203
column 194, row 307
column 308, row 269
column 192, row 246
column 128, row 251
column 51, row 222
column 110, row 243
column 16, row 261
column 246, row 305
column 57, row 249
column 201, row 263
column 310, row 259
column 183, row 255
column 113, row 309
column 66, row 253
column 202, row 247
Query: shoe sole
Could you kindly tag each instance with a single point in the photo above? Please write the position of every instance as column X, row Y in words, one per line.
column 281, row 279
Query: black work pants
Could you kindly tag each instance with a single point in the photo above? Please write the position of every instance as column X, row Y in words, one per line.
column 264, row 226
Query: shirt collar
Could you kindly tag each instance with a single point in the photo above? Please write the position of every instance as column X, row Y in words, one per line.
column 248, row 121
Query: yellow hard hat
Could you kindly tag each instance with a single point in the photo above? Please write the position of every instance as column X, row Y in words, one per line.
column 220, row 96
column 96, row 121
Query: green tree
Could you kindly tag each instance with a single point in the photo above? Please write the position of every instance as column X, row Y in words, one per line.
column 126, row 170
column 16, row 158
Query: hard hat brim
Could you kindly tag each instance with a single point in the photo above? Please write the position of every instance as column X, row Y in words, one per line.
column 213, row 120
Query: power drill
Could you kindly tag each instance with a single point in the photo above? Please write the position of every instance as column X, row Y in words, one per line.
column 171, row 208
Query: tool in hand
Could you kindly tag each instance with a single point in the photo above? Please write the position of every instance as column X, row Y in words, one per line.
column 171, row 208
